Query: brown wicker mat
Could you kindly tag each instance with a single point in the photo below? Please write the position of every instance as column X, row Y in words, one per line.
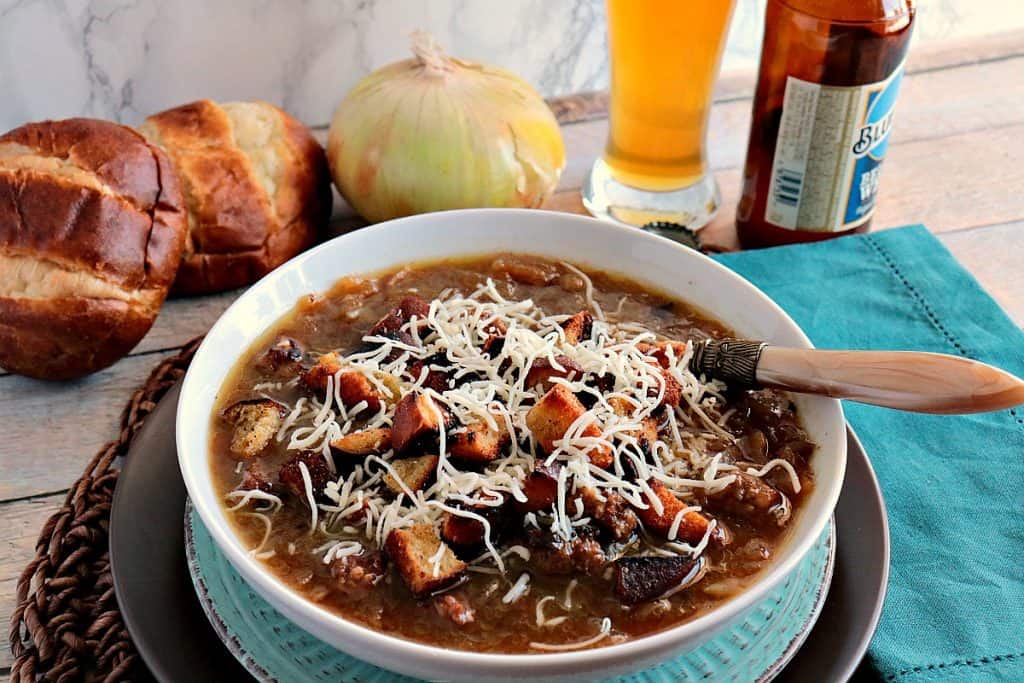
column 67, row 625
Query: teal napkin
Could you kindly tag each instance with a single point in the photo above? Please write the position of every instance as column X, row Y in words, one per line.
column 954, row 486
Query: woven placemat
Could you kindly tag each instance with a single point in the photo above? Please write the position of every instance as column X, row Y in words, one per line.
column 66, row 625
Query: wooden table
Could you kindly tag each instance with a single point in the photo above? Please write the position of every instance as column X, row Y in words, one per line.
column 956, row 164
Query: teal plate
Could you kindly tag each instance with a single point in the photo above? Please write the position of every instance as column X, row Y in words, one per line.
column 272, row 648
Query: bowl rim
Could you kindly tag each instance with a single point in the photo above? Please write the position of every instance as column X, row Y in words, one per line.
column 303, row 611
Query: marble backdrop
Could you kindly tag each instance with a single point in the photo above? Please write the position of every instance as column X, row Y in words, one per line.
column 124, row 59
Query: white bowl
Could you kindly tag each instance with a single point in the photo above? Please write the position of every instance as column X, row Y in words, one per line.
column 651, row 260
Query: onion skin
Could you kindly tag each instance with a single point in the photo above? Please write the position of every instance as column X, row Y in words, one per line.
column 428, row 135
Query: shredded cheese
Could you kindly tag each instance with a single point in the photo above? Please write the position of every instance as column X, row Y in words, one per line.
column 491, row 390
column 517, row 590
column 606, row 628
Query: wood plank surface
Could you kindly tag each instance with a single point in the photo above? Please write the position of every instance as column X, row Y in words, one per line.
column 994, row 254
column 51, row 430
column 954, row 164
column 22, row 521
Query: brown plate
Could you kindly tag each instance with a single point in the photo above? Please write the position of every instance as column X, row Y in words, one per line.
column 176, row 641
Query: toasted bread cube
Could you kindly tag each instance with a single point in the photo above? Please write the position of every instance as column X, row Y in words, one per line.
column 692, row 527
column 477, row 443
column 412, row 548
column 648, row 432
column 578, row 327
column 414, row 473
column 468, row 532
column 354, row 388
column 290, row 475
column 495, row 338
column 673, row 391
column 440, row 380
column 540, row 488
column 408, row 308
column 495, row 327
column 554, row 414
column 256, row 422
column 416, row 418
column 667, row 353
column 365, row 442
column 542, row 371
column 461, row 531
column 327, row 365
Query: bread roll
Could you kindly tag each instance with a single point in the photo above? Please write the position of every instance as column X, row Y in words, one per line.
column 256, row 184
column 92, row 227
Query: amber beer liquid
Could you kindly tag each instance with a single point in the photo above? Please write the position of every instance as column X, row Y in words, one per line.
column 823, row 112
column 664, row 57
column 664, row 61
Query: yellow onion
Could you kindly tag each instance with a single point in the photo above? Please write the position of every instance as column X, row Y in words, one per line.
column 434, row 132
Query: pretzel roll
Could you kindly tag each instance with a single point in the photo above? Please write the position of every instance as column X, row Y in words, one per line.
column 256, row 184
column 92, row 227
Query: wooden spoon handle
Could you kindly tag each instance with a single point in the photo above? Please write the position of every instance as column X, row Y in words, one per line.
column 905, row 380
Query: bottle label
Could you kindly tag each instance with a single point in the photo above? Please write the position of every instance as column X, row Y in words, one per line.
column 829, row 153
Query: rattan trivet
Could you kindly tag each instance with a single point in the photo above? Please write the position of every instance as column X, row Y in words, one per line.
column 67, row 625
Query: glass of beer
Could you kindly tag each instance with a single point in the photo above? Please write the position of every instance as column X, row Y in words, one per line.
column 664, row 62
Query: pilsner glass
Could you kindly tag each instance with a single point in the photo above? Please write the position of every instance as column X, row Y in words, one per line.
column 664, row 61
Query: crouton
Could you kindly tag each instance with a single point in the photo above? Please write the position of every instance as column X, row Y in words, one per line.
column 256, row 422
column 751, row 499
column 495, row 327
column 578, row 328
column 354, row 388
column 414, row 473
column 467, row 532
column 692, row 526
column 495, row 340
column 356, row 575
column 542, row 371
column 554, row 413
column 540, row 488
column 611, row 512
column 366, row 442
column 673, row 391
column 477, row 443
column 461, row 531
column 648, row 432
column 493, row 345
column 416, row 420
column 667, row 353
column 406, row 310
column 412, row 550
column 437, row 379
column 641, row 579
column 290, row 475
column 327, row 365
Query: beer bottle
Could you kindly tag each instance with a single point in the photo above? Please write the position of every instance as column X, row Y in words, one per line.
column 830, row 72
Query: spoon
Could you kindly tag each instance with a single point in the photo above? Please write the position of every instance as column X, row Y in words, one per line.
column 904, row 380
